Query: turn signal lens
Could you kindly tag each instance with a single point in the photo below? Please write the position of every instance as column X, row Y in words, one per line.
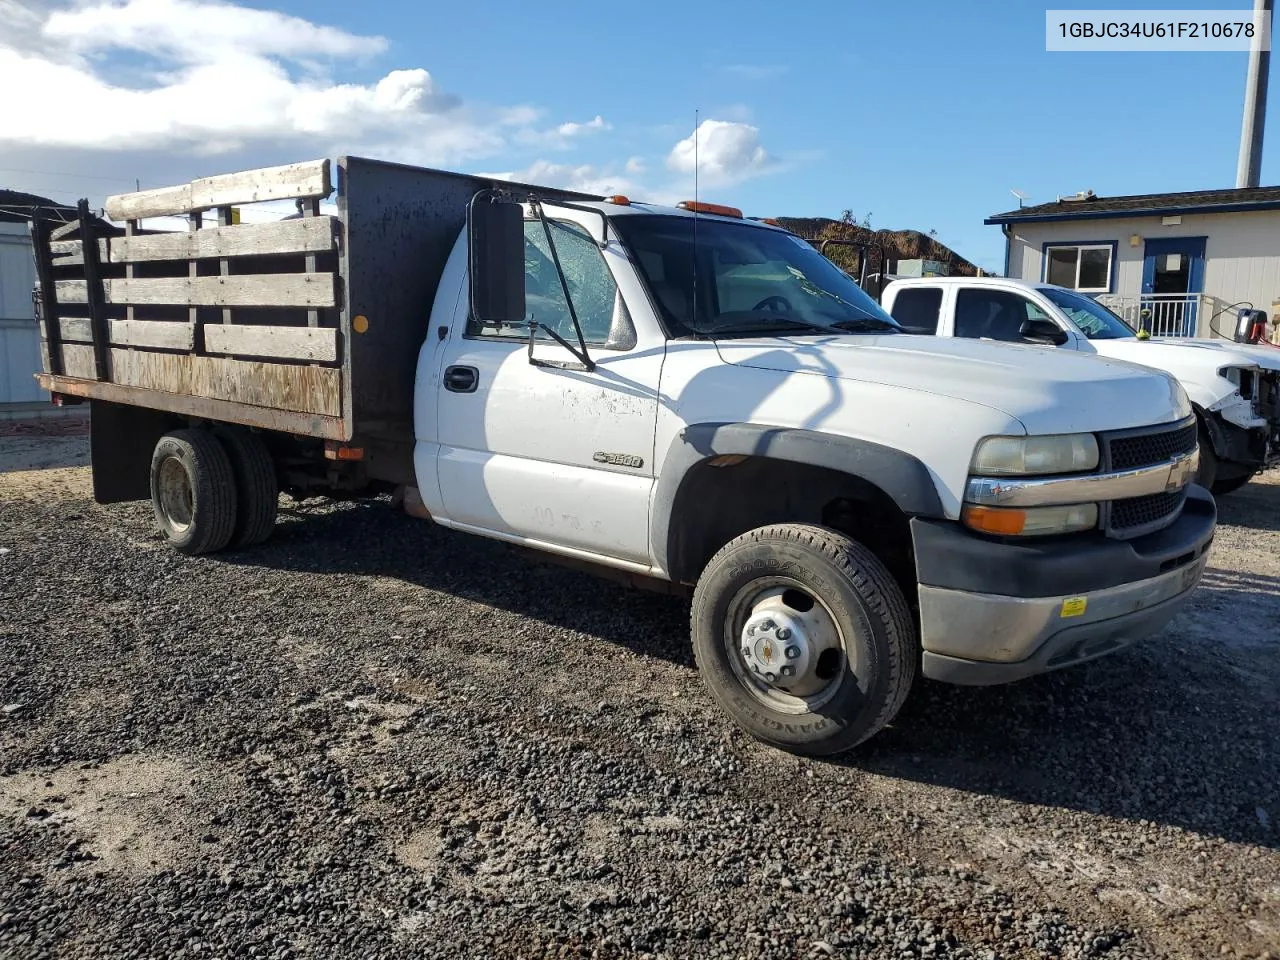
column 720, row 210
column 1032, row 522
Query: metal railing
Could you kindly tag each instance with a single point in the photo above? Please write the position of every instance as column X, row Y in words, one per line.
column 1165, row 314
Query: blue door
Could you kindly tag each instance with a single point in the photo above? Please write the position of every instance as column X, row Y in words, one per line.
column 1172, row 280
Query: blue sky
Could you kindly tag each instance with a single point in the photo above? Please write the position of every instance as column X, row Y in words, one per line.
column 923, row 116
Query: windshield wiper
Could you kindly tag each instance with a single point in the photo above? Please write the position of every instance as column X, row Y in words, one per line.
column 766, row 325
column 865, row 325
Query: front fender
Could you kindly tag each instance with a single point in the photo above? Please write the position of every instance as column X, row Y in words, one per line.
column 904, row 478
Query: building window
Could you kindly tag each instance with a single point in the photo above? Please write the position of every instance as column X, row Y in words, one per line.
column 1082, row 267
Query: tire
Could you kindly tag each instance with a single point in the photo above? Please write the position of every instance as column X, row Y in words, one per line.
column 257, row 493
column 1207, row 476
column 193, row 491
column 1224, row 485
column 871, row 671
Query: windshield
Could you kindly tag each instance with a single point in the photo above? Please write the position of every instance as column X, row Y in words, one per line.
column 1094, row 320
column 749, row 280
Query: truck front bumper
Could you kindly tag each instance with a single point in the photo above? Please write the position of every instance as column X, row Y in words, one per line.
column 994, row 611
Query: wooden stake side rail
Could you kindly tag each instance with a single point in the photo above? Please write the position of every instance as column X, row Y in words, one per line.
column 259, row 366
column 265, row 418
column 308, row 179
column 309, row 235
column 249, row 290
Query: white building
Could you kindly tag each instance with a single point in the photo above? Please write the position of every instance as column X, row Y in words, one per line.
column 19, row 335
column 1179, row 264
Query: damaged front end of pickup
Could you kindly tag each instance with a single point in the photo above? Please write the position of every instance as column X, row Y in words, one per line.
column 1243, row 429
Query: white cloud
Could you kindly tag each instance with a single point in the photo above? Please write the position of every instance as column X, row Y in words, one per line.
column 105, row 92
column 582, row 177
column 221, row 78
column 201, row 30
column 724, row 151
column 572, row 129
column 755, row 71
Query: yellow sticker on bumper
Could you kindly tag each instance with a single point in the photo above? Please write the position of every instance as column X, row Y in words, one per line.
column 1074, row 606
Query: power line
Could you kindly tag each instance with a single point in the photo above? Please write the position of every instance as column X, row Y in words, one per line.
column 53, row 173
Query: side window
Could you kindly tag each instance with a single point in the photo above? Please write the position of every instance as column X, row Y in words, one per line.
column 917, row 309
column 601, row 312
column 993, row 314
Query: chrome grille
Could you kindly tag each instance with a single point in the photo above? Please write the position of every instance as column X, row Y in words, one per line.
column 1141, row 450
column 1132, row 449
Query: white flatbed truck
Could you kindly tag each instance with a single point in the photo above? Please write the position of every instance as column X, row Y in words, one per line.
column 680, row 395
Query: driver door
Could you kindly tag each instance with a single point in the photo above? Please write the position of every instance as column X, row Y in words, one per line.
column 552, row 455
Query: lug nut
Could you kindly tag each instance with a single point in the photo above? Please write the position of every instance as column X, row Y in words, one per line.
column 746, row 651
column 793, row 652
column 767, row 625
column 788, row 671
column 770, row 677
column 784, row 633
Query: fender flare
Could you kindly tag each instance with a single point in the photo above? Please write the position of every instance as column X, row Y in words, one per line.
column 901, row 476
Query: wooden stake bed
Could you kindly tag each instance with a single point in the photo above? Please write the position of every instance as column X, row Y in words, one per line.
column 240, row 322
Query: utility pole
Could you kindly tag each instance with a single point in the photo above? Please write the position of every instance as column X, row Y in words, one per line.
column 1249, row 167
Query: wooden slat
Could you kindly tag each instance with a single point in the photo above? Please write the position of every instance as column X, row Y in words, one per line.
column 251, row 290
column 308, row 179
column 248, row 239
column 303, row 389
column 76, row 329
column 286, row 421
column 78, row 361
column 319, row 344
column 164, row 334
column 161, row 334
column 71, row 226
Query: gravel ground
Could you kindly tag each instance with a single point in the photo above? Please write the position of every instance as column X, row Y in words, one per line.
column 373, row 737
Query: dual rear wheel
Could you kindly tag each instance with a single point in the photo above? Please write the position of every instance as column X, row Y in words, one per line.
column 211, row 489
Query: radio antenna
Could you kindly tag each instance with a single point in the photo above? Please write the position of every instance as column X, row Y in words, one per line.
column 693, row 307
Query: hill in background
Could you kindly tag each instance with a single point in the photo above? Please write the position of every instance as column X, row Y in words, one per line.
column 896, row 244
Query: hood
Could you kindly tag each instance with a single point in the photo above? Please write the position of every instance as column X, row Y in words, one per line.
column 1209, row 354
column 1049, row 391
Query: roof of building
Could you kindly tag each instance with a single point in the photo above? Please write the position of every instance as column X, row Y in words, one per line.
column 19, row 207
column 1087, row 206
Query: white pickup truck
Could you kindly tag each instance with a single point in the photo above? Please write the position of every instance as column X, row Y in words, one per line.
column 1234, row 387
column 679, row 395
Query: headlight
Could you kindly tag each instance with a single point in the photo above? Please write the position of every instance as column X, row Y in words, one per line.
column 1036, row 456
column 1030, row 521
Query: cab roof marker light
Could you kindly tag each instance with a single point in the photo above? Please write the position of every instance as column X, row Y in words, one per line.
column 719, row 209
column 619, row 200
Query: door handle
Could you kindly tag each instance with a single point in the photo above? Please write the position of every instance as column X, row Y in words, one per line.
column 461, row 379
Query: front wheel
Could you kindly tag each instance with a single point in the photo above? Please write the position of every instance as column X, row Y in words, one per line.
column 803, row 637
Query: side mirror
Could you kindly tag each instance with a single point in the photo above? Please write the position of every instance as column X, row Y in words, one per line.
column 1043, row 331
column 495, row 244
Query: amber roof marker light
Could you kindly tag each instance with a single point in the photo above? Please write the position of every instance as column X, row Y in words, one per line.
column 719, row 209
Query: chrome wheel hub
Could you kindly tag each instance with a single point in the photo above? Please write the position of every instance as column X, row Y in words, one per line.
column 789, row 647
column 775, row 647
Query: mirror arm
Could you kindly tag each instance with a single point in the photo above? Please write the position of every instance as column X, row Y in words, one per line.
column 581, row 353
column 584, row 362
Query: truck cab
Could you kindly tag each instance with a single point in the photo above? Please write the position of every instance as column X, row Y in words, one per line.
column 1234, row 387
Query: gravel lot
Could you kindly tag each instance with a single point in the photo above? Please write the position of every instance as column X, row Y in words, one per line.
column 373, row 737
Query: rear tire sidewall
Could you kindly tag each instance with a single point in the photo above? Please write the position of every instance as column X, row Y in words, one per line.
column 209, row 485
column 856, row 709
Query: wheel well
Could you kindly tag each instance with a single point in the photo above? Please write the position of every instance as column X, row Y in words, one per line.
column 724, row 497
